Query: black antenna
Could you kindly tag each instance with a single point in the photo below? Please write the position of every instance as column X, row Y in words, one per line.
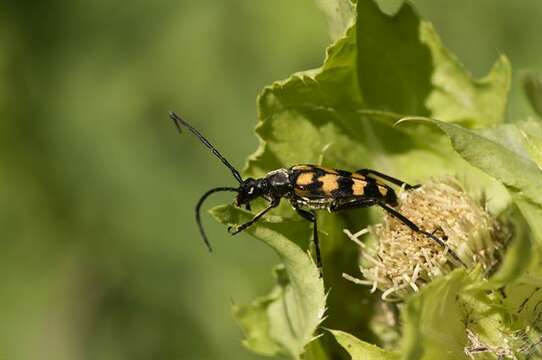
column 198, row 214
column 178, row 122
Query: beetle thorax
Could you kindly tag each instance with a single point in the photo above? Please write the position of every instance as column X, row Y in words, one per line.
column 278, row 177
column 279, row 182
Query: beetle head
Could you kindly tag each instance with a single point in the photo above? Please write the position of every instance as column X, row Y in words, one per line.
column 249, row 190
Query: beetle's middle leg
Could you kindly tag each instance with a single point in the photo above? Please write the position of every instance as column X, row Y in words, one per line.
column 311, row 216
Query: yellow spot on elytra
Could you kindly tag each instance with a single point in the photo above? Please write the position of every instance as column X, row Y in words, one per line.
column 358, row 188
column 304, row 179
column 383, row 190
column 329, row 183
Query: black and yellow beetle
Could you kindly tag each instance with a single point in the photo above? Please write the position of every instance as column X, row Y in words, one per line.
column 309, row 188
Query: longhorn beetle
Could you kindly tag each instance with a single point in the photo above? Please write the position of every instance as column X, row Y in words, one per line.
column 310, row 188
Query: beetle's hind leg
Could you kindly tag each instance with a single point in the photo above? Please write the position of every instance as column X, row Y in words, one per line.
column 367, row 202
column 392, row 180
column 415, row 228
column 311, row 216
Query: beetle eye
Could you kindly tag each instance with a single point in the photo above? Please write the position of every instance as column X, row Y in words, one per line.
column 251, row 190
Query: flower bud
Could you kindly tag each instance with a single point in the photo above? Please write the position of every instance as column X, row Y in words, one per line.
column 399, row 260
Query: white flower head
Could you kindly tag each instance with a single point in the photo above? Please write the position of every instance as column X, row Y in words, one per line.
column 400, row 261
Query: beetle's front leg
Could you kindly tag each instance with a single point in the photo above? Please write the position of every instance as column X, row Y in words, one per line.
column 236, row 230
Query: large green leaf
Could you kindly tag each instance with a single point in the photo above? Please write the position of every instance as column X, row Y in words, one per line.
column 392, row 60
column 346, row 104
column 285, row 321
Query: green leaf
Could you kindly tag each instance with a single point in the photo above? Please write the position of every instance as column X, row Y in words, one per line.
column 361, row 350
column 285, row 321
column 456, row 96
column 391, row 59
column 532, row 85
column 346, row 104
column 432, row 319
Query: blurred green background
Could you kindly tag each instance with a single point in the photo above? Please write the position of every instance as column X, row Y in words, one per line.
column 100, row 256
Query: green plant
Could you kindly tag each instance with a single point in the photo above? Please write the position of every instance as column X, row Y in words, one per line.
column 390, row 96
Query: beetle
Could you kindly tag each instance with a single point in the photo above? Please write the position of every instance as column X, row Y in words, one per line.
column 310, row 188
